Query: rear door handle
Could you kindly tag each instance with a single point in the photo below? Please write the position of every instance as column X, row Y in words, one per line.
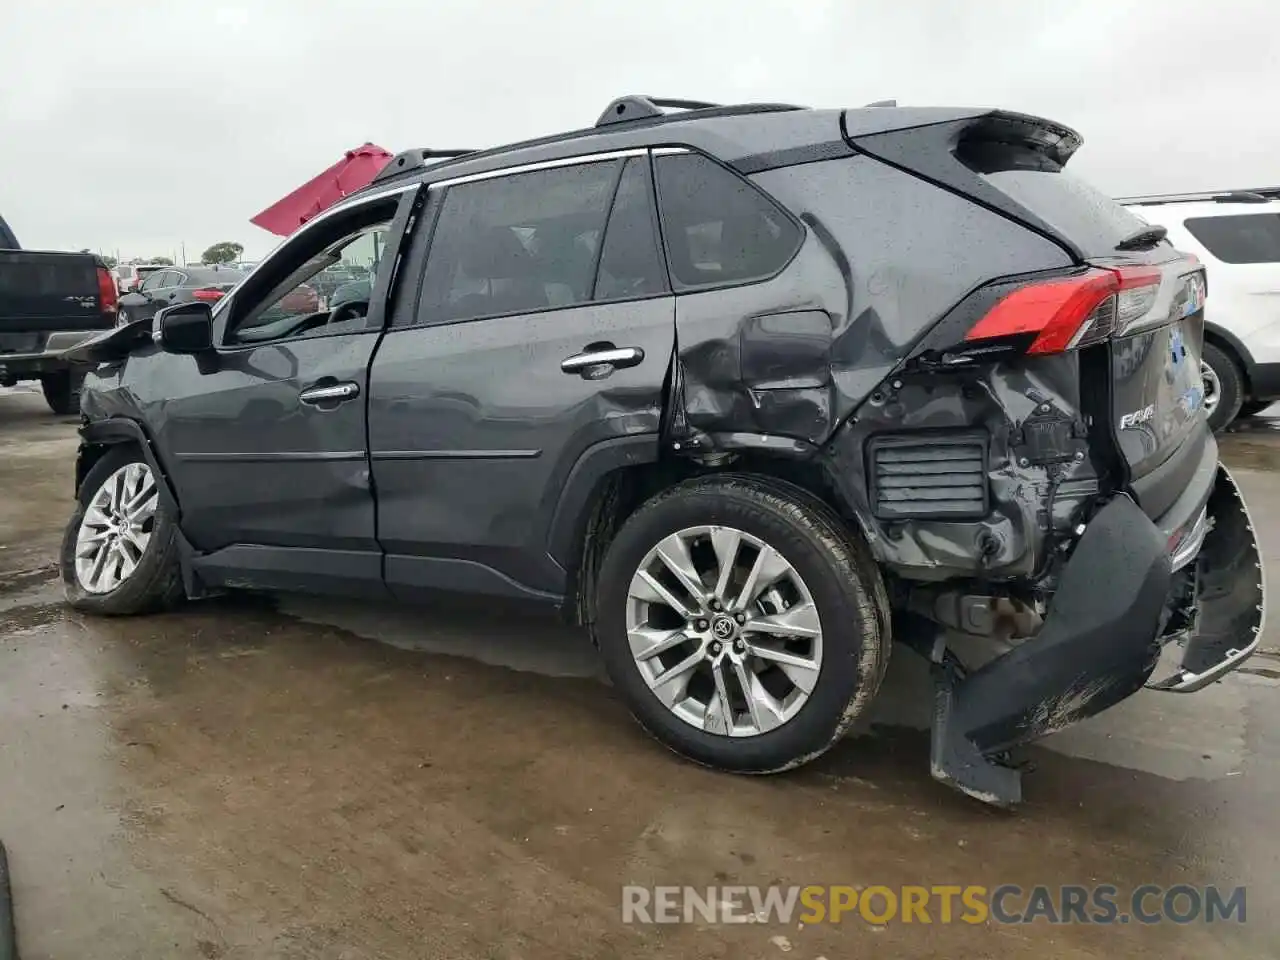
column 617, row 357
column 330, row 394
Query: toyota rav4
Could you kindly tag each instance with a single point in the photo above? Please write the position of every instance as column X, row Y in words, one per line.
column 748, row 391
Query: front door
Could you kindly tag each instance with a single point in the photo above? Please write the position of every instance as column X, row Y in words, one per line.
column 532, row 333
column 151, row 295
column 267, row 440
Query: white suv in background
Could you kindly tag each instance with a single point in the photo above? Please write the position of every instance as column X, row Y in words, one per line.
column 1236, row 234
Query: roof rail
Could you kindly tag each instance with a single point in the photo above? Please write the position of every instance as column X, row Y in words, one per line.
column 1245, row 195
column 881, row 103
column 412, row 159
column 635, row 107
column 639, row 107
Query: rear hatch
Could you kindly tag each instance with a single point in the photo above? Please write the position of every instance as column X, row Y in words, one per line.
column 1153, row 295
column 42, row 291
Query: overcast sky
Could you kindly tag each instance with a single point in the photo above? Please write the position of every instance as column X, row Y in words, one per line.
column 139, row 126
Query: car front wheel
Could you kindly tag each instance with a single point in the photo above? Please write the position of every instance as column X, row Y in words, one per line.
column 741, row 622
column 119, row 552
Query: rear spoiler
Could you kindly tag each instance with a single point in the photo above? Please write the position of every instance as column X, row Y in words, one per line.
column 951, row 153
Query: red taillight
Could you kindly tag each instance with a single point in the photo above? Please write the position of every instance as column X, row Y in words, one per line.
column 108, row 295
column 207, row 294
column 1066, row 313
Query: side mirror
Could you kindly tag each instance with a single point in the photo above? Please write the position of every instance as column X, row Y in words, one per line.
column 186, row 328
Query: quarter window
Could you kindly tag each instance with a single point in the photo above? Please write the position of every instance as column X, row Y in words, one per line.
column 1242, row 238
column 517, row 244
column 719, row 228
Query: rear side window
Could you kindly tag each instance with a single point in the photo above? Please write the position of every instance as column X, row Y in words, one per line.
column 1242, row 238
column 719, row 228
column 1081, row 213
column 517, row 244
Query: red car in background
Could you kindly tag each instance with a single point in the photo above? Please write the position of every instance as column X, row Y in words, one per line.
column 302, row 299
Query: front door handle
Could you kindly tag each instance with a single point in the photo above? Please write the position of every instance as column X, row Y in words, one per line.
column 616, row 357
column 330, row 394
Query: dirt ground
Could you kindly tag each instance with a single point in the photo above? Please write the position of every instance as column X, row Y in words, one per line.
column 305, row 778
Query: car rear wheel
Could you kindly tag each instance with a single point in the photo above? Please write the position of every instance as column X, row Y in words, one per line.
column 119, row 551
column 1223, row 387
column 741, row 623
column 61, row 390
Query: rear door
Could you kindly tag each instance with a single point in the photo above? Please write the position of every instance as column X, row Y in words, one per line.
column 539, row 327
column 150, row 295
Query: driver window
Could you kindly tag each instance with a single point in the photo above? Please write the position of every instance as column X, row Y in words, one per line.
column 327, row 292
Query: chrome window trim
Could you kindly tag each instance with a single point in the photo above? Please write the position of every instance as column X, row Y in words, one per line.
column 541, row 165
column 348, row 204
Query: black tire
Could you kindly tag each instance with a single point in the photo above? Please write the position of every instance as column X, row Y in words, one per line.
column 1230, row 386
column 156, row 582
column 122, row 317
column 1251, row 408
column 845, row 586
column 62, row 391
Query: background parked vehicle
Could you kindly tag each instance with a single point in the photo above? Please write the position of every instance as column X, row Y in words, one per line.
column 1236, row 234
column 131, row 275
column 166, row 286
column 126, row 275
column 48, row 303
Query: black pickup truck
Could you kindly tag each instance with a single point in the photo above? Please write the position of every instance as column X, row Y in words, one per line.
column 50, row 302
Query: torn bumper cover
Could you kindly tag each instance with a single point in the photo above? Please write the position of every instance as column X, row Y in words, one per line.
column 1118, row 605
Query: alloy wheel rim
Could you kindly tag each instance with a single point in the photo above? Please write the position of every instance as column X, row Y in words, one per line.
column 724, row 631
column 116, row 528
column 1212, row 386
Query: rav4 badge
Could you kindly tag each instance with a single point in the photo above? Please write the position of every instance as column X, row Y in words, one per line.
column 1137, row 417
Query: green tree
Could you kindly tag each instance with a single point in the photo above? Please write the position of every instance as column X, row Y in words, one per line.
column 161, row 261
column 225, row 252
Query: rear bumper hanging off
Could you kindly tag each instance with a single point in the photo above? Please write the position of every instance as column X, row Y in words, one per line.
column 1118, row 603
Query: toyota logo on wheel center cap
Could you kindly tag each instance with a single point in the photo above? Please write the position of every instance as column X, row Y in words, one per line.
column 723, row 628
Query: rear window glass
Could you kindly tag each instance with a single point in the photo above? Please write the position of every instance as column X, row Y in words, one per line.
column 1242, row 238
column 1082, row 214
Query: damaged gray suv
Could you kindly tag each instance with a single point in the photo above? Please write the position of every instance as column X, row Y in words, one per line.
column 751, row 392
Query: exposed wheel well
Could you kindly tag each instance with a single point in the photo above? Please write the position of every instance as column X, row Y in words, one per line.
column 619, row 493
column 1227, row 347
column 89, row 455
